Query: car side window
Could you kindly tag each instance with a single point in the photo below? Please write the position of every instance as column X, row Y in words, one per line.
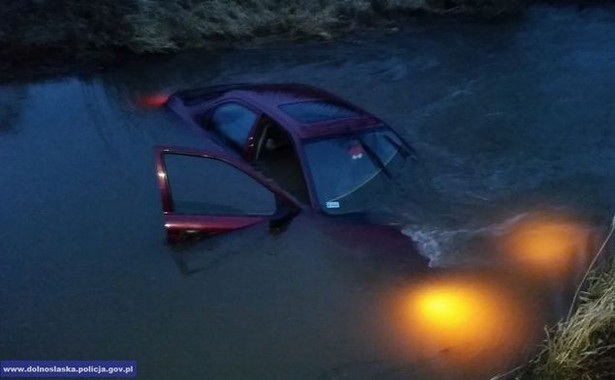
column 234, row 122
column 207, row 186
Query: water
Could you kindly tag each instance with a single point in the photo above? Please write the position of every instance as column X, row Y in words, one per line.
column 512, row 123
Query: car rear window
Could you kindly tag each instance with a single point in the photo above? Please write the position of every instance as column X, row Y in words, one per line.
column 318, row 111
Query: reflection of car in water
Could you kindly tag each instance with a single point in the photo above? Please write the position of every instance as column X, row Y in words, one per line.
column 271, row 151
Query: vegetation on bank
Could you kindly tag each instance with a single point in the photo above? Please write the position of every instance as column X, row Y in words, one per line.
column 34, row 29
column 583, row 346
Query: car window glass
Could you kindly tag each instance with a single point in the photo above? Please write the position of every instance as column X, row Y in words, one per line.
column 234, row 122
column 344, row 169
column 208, row 186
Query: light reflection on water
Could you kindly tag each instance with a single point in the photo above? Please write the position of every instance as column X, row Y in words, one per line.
column 548, row 245
column 467, row 321
column 464, row 323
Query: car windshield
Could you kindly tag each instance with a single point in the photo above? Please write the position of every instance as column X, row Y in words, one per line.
column 351, row 172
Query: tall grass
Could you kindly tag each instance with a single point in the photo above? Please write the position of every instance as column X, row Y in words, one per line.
column 583, row 346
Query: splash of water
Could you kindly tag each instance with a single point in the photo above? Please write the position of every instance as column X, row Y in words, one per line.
column 438, row 243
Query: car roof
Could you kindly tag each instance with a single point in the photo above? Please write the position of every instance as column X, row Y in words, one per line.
column 270, row 97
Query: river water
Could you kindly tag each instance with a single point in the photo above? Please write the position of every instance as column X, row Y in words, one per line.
column 512, row 123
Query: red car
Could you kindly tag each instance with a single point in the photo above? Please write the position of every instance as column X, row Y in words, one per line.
column 272, row 150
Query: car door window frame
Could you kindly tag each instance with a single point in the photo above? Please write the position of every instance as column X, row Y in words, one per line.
column 176, row 224
column 259, row 133
column 253, row 187
column 205, row 120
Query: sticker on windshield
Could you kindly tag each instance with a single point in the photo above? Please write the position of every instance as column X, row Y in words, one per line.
column 333, row 204
column 356, row 152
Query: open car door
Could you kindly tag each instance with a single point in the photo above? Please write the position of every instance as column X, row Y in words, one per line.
column 208, row 193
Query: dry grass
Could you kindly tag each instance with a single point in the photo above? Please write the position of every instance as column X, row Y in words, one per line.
column 80, row 28
column 582, row 347
column 175, row 24
column 172, row 25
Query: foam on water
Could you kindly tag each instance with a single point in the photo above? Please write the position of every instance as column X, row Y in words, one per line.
column 438, row 244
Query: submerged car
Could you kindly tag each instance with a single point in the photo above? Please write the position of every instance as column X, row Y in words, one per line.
column 272, row 150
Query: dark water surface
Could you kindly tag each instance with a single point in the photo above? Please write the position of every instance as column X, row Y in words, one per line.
column 513, row 126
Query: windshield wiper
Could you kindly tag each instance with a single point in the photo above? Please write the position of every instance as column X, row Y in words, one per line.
column 374, row 157
column 403, row 148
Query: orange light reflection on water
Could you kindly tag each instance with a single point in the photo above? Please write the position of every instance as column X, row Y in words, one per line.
column 547, row 245
column 482, row 323
column 464, row 323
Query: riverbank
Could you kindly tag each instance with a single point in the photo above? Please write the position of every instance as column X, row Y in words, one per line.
column 583, row 345
column 46, row 35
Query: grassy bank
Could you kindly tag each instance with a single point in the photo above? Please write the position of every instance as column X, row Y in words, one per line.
column 35, row 30
column 583, row 346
